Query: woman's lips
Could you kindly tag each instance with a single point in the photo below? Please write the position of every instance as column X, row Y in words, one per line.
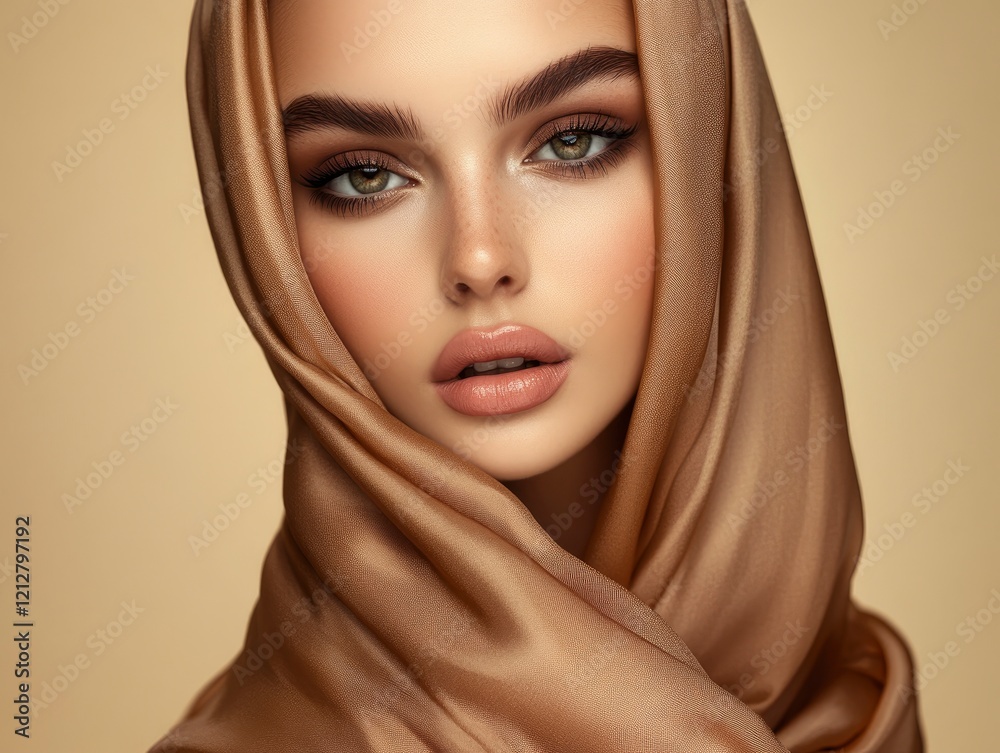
column 493, row 394
column 497, row 394
column 479, row 345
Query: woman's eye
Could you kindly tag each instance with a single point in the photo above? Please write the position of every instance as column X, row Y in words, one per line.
column 572, row 145
column 365, row 180
column 361, row 183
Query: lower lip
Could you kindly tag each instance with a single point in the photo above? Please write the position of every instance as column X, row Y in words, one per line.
column 498, row 394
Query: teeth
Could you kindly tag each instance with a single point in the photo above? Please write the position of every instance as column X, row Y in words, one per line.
column 499, row 366
column 503, row 363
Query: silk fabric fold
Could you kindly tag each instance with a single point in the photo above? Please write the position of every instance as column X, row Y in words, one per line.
column 410, row 602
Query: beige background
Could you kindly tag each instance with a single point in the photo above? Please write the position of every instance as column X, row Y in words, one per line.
column 174, row 333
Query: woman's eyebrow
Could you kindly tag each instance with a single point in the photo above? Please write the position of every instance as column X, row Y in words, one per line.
column 315, row 112
column 559, row 78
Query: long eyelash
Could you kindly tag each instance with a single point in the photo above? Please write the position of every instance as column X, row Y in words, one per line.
column 612, row 156
column 341, row 206
column 338, row 165
column 599, row 125
column 332, row 169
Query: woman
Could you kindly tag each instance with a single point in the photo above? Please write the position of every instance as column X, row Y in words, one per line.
column 642, row 542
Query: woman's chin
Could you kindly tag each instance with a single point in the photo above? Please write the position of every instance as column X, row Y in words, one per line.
column 515, row 447
column 514, row 464
column 524, row 443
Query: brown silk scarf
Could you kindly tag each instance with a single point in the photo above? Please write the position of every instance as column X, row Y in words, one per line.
column 410, row 602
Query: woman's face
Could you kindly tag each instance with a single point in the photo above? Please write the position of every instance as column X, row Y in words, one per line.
column 463, row 165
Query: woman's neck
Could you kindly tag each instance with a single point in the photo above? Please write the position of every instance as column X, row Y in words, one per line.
column 566, row 499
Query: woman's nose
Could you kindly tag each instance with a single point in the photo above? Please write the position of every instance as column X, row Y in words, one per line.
column 484, row 254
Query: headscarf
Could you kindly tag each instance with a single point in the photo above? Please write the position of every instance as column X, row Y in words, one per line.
column 411, row 602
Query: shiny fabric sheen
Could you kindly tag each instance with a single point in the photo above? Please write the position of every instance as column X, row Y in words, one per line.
column 411, row 603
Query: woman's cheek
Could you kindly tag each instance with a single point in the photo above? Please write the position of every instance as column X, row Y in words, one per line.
column 603, row 258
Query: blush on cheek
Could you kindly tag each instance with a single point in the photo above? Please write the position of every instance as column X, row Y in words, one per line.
column 375, row 315
column 612, row 257
column 344, row 291
column 620, row 266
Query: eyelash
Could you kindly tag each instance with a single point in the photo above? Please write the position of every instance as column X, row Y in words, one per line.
column 593, row 124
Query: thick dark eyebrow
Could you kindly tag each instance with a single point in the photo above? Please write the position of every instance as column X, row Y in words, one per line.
column 314, row 112
column 559, row 78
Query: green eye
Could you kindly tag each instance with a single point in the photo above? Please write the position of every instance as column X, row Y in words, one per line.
column 365, row 179
column 571, row 145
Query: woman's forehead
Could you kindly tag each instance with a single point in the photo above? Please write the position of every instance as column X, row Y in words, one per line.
column 382, row 49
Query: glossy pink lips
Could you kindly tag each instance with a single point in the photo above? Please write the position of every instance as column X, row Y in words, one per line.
column 496, row 394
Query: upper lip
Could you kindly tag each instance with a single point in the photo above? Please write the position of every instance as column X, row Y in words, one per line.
column 476, row 345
